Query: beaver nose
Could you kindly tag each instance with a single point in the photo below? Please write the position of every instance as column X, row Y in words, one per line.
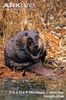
column 36, row 46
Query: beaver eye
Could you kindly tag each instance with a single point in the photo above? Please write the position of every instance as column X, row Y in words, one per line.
column 36, row 37
column 29, row 40
column 26, row 34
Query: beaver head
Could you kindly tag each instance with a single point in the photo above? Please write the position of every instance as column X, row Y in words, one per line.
column 33, row 42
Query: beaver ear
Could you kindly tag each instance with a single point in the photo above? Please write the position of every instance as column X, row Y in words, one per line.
column 38, row 32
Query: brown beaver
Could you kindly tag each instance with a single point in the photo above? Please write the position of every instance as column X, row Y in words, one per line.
column 24, row 50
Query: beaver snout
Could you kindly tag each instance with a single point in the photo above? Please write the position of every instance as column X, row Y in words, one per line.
column 36, row 46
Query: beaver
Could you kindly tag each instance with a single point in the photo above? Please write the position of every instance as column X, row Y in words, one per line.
column 23, row 50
